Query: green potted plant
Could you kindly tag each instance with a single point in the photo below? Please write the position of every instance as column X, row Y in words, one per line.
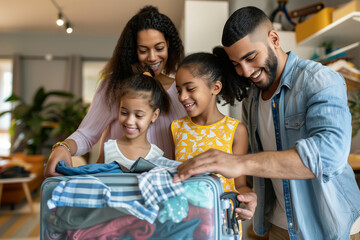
column 68, row 116
column 32, row 124
column 354, row 106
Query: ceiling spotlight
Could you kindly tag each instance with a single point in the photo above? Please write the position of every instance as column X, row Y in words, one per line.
column 68, row 28
column 60, row 20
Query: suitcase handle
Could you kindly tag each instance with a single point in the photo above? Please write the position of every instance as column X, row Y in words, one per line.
column 232, row 222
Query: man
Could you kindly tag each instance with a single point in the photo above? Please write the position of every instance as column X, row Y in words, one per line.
column 299, row 129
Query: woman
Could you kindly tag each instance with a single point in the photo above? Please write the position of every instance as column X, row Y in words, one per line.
column 149, row 38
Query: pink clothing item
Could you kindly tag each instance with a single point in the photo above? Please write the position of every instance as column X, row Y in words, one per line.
column 138, row 229
column 205, row 230
column 102, row 122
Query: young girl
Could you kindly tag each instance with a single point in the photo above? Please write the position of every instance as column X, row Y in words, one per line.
column 200, row 80
column 142, row 97
column 149, row 38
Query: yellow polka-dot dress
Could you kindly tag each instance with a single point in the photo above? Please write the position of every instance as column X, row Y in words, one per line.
column 191, row 139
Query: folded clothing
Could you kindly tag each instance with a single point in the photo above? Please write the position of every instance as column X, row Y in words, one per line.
column 14, row 172
column 112, row 167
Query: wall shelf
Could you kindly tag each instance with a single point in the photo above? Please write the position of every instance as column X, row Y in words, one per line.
column 342, row 32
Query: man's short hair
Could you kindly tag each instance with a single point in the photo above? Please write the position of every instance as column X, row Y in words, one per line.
column 241, row 23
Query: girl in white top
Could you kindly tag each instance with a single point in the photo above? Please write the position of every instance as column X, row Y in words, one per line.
column 149, row 38
column 141, row 100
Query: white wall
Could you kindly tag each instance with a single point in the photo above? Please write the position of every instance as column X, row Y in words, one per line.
column 57, row 44
column 203, row 25
column 204, row 22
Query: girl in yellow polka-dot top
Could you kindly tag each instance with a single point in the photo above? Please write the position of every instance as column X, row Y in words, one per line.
column 191, row 139
column 200, row 80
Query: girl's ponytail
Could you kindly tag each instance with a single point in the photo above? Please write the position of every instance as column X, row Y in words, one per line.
column 233, row 86
column 143, row 81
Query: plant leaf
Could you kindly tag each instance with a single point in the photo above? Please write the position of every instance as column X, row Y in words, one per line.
column 12, row 98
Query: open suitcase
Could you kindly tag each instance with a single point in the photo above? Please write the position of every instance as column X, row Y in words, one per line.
column 201, row 211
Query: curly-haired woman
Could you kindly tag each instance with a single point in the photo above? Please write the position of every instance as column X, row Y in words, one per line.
column 149, row 38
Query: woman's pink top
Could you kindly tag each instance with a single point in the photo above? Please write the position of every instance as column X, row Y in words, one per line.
column 102, row 122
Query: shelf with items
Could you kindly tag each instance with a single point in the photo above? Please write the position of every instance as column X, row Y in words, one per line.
column 348, row 71
column 342, row 32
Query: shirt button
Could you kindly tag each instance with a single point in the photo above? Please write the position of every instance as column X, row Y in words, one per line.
column 290, row 224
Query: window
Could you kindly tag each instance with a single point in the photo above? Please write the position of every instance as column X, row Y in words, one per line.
column 5, row 92
column 91, row 78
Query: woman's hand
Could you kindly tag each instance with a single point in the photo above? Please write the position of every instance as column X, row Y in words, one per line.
column 59, row 153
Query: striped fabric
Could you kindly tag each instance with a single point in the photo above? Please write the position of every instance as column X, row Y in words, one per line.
column 90, row 192
column 164, row 162
column 154, row 186
column 157, row 186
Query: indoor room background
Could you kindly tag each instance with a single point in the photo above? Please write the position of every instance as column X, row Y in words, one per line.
column 71, row 62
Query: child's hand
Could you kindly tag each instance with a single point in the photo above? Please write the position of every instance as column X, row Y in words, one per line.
column 250, row 201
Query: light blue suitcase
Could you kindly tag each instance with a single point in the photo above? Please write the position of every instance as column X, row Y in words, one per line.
column 210, row 218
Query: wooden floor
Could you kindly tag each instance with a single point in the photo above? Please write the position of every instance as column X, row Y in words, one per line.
column 17, row 222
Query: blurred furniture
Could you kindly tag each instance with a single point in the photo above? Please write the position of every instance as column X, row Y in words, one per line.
column 13, row 193
column 24, row 182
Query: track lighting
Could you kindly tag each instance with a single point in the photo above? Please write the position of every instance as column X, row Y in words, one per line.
column 68, row 28
column 60, row 20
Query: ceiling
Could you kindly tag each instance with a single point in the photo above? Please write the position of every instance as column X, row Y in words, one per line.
column 86, row 16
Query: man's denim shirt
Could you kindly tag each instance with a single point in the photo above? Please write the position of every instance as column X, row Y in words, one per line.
column 312, row 115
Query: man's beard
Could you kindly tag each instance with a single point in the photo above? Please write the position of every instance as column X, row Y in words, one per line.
column 270, row 68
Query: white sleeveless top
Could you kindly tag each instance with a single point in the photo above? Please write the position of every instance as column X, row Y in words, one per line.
column 113, row 153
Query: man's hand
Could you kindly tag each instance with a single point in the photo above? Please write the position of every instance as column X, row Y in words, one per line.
column 212, row 160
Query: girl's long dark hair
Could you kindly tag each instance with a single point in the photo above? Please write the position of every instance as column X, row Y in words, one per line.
column 217, row 66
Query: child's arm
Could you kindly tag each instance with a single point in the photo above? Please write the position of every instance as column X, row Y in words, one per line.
column 101, row 157
column 240, row 146
column 172, row 143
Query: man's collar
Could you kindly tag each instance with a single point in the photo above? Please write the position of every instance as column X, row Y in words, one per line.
column 288, row 70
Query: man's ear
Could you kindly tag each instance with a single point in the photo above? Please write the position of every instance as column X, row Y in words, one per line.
column 217, row 86
column 155, row 115
column 274, row 39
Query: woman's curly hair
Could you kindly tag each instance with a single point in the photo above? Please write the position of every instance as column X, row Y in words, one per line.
column 120, row 66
